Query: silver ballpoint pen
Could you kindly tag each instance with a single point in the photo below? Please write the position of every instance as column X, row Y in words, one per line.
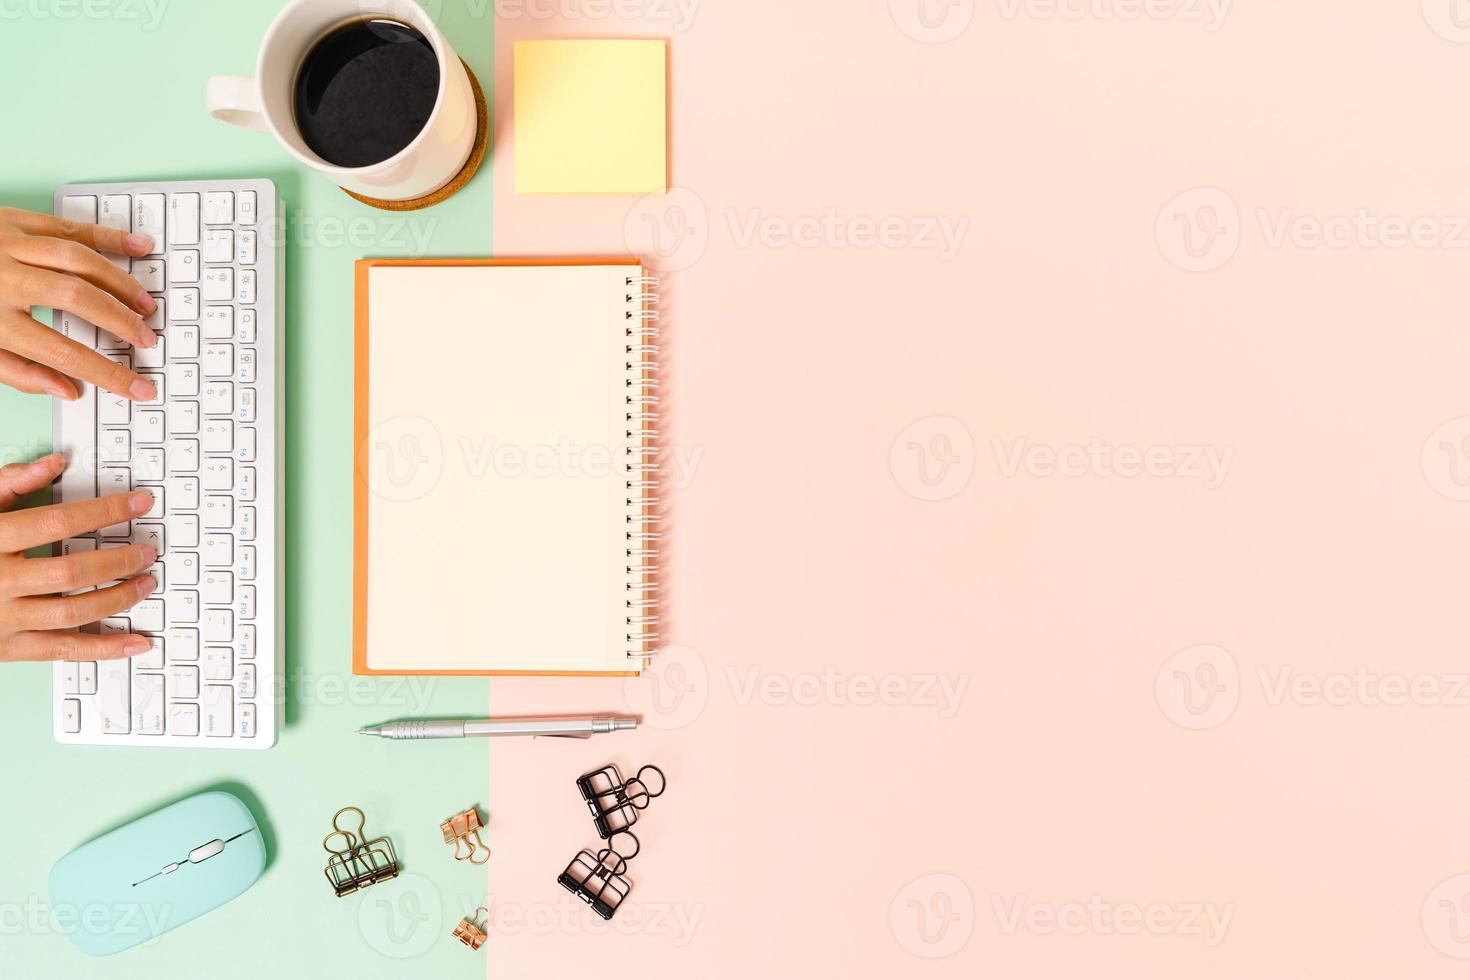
column 556, row 728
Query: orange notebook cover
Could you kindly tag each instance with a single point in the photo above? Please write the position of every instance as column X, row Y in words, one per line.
column 505, row 513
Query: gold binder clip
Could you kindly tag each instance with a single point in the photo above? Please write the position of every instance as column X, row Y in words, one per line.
column 359, row 862
column 463, row 831
column 469, row 931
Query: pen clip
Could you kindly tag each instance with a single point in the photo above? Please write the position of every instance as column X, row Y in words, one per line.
column 563, row 735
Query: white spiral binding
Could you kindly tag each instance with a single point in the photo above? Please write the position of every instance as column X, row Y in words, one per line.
column 640, row 467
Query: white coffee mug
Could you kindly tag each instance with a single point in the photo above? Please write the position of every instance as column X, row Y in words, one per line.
column 437, row 153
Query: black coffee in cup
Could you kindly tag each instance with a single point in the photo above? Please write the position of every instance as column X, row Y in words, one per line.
column 365, row 90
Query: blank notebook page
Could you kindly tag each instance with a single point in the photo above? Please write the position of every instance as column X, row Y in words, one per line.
column 495, row 499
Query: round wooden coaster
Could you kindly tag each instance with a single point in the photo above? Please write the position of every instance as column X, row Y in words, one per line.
column 477, row 155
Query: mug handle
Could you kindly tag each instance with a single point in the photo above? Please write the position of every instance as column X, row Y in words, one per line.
column 235, row 99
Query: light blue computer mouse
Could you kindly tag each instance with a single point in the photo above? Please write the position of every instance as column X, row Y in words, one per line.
column 156, row 873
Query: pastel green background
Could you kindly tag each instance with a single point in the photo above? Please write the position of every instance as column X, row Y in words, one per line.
column 114, row 90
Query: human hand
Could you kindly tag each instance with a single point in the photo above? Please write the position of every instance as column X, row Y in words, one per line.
column 32, row 618
column 46, row 261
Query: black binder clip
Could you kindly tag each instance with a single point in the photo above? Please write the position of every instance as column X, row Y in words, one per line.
column 359, row 862
column 599, row 878
column 615, row 802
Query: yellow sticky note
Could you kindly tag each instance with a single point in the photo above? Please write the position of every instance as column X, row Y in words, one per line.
column 590, row 117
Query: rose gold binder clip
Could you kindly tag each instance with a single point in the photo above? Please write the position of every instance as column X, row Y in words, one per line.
column 463, row 831
column 469, row 931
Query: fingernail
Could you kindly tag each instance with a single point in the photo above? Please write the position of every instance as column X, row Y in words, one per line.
column 139, row 244
column 146, row 585
column 141, row 502
column 150, row 339
column 136, row 644
column 145, row 302
column 62, row 390
column 150, row 554
column 141, row 391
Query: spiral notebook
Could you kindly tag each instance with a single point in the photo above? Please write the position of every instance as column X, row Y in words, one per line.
column 505, row 505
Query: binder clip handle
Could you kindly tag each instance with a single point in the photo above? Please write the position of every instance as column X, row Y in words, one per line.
column 469, row 931
column 637, row 791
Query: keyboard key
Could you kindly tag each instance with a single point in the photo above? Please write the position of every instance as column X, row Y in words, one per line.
column 245, row 366
column 148, row 465
column 70, row 681
column 156, row 320
column 219, row 710
column 246, row 529
column 219, row 552
column 147, row 616
column 245, row 642
column 183, row 644
column 219, row 361
column 245, row 332
column 149, row 534
column 219, row 588
column 183, row 719
column 183, row 380
column 148, row 210
column 245, row 248
column 246, row 411
column 219, row 208
column 219, row 626
column 219, row 398
column 245, row 444
column 183, row 302
column 219, row 436
column 114, row 446
column 247, row 716
column 87, row 677
column 71, row 715
column 219, row 473
column 156, row 512
column 246, row 214
column 183, row 455
column 245, row 291
column 246, row 489
column 218, row 662
column 219, row 512
column 183, row 219
column 160, row 390
column 185, row 569
column 185, row 607
column 148, row 704
column 219, row 245
column 150, row 358
column 219, row 284
column 183, row 530
column 113, row 479
column 79, row 207
column 183, row 266
column 183, row 492
column 245, row 607
column 184, row 340
column 185, row 681
column 246, row 687
column 245, row 567
column 116, row 211
column 82, row 331
column 153, row 659
column 183, row 418
column 219, row 322
column 150, row 428
column 114, row 696
column 150, row 274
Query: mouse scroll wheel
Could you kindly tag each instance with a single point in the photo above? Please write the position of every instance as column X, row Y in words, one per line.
column 206, row 851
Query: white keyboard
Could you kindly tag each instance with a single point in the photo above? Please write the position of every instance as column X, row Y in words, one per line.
column 207, row 449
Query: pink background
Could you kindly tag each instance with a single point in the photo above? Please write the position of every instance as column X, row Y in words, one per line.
column 1143, row 740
